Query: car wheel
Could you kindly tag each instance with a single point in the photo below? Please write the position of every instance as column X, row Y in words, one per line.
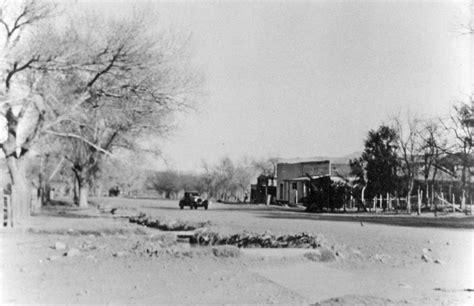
column 205, row 207
column 181, row 206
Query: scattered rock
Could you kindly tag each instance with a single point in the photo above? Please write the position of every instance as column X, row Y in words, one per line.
column 447, row 243
column 52, row 258
column 120, row 254
column 72, row 252
column 59, row 246
column 406, row 286
column 381, row 257
column 426, row 258
column 430, row 242
column 439, row 261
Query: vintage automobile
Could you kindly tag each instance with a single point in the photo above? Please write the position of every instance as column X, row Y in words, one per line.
column 193, row 200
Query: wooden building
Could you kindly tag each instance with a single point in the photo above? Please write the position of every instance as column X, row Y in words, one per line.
column 292, row 177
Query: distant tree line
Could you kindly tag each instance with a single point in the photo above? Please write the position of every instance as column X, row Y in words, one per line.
column 227, row 180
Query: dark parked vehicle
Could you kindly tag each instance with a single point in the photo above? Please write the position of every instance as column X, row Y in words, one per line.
column 193, row 200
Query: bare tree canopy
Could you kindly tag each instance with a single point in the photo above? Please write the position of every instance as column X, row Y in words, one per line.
column 97, row 83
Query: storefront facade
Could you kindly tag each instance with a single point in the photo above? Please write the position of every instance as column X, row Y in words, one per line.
column 292, row 178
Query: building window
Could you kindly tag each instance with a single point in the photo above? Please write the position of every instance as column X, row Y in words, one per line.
column 293, row 186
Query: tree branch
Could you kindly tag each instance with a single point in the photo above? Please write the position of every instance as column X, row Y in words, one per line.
column 69, row 135
column 17, row 69
column 107, row 68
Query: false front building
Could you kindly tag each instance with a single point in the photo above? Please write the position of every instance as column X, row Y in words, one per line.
column 292, row 177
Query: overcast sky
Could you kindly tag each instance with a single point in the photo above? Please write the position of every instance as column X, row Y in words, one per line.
column 311, row 78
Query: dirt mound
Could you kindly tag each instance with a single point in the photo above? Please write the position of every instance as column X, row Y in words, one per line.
column 360, row 300
column 166, row 224
column 255, row 240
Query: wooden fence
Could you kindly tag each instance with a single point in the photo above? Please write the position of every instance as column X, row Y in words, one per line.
column 7, row 212
column 7, row 205
column 438, row 201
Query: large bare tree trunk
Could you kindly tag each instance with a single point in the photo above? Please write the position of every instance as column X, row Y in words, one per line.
column 83, row 187
column 410, row 190
column 21, row 194
column 83, row 195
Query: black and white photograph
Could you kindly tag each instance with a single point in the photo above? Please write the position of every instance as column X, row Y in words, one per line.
column 204, row 152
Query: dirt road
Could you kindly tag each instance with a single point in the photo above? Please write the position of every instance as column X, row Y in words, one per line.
column 109, row 260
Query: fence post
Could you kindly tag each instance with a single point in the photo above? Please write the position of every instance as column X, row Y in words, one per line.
column 454, row 199
column 420, row 196
column 363, row 196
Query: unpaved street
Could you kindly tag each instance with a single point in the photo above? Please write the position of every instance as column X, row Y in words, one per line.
column 374, row 263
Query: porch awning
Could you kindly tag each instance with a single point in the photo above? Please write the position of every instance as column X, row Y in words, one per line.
column 305, row 178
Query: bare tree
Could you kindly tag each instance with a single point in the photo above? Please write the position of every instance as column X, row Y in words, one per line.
column 228, row 178
column 98, row 84
column 22, row 109
column 168, row 181
column 433, row 144
column 123, row 85
column 266, row 166
column 409, row 149
column 461, row 147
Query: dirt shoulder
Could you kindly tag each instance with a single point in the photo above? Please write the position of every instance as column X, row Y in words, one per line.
column 75, row 256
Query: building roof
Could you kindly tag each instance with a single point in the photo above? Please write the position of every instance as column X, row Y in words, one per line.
column 305, row 178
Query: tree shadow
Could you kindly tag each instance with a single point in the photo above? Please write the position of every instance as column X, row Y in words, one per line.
column 66, row 209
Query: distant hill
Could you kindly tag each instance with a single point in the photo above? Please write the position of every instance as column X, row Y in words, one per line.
column 335, row 160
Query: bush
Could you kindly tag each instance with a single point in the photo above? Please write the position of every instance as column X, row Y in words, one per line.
column 328, row 195
column 253, row 240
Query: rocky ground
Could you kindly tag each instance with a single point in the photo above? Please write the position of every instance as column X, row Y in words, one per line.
column 67, row 255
